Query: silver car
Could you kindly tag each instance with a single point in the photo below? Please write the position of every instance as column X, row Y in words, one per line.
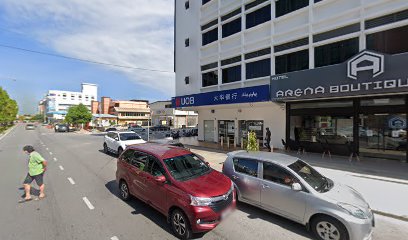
column 289, row 187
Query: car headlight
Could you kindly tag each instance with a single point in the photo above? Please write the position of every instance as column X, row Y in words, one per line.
column 353, row 210
column 200, row 201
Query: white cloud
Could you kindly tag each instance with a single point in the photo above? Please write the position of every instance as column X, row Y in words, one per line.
column 124, row 32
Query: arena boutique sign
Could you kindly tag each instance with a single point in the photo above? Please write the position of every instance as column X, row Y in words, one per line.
column 367, row 73
column 240, row 95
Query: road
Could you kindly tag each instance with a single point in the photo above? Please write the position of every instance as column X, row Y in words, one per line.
column 82, row 200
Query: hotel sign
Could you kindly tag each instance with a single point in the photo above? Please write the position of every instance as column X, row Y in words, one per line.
column 367, row 73
column 239, row 95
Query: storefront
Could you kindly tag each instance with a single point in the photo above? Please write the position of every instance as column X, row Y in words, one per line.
column 228, row 115
column 358, row 106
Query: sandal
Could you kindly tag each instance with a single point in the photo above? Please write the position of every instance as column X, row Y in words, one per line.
column 25, row 200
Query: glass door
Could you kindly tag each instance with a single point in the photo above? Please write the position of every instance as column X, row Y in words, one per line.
column 383, row 135
column 226, row 128
column 208, row 130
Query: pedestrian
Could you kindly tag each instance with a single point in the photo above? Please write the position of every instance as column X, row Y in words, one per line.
column 268, row 140
column 36, row 168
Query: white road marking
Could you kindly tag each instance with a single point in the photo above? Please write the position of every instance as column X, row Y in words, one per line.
column 55, row 159
column 46, row 149
column 114, row 238
column 61, row 167
column 1, row 137
column 50, row 153
column 71, row 181
column 88, row 203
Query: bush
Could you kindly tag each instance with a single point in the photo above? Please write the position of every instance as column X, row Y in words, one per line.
column 252, row 142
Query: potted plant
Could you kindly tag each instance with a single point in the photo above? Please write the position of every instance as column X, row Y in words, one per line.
column 252, row 142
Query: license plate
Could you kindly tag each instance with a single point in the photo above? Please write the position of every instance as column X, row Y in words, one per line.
column 226, row 213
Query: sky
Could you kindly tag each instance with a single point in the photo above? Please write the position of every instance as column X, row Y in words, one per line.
column 136, row 33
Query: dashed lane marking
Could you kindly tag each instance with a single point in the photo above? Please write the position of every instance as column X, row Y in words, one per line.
column 61, row 167
column 114, row 238
column 55, row 159
column 71, row 181
column 88, row 203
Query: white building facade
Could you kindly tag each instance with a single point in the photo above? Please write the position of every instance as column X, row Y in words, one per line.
column 59, row 101
column 245, row 65
column 164, row 114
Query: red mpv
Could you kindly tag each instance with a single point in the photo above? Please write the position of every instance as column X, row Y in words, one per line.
column 179, row 184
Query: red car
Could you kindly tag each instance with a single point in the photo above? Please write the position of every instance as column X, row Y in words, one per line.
column 179, row 184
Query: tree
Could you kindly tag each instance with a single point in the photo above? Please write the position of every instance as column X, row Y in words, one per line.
column 8, row 108
column 252, row 142
column 78, row 115
column 37, row 117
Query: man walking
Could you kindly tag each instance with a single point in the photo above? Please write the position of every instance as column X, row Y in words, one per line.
column 36, row 168
column 268, row 140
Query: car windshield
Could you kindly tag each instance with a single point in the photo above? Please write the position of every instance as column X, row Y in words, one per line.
column 317, row 181
column 129, row 136
column 186, row 167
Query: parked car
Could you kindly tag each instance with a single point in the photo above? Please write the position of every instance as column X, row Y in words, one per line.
column 289, row 187
column 116, row 141
column 179, row 184
column 135, row 128
column 61, row 128
column 30, row 127
column 160, row 128
column 111, row 129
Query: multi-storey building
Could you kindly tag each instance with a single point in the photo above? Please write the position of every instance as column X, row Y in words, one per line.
column 163, row 113
column 321, row 74
column 57, row 102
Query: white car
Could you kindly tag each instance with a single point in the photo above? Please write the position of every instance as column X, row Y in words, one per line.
column 116, row 141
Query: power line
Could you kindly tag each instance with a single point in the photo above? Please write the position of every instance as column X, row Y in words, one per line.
column 82, row 60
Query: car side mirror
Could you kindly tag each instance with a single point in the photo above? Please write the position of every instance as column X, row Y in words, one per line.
column 116, row 139
column 207, row 163
column 160, row 179
column 296, row 187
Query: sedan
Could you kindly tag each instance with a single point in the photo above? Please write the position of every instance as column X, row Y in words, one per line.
column 30, row 127
column 289, row 187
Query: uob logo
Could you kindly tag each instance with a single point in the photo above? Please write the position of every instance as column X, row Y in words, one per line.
column 365, row 61
column 184, row 101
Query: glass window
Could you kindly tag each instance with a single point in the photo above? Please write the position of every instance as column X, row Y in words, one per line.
column 382, row 102
column 127, row 155
column 210, row 36
column 129, row 136
column 392, row 41
column 139, row 160
column 261, row 68
column 329, row 104
column 335, row 53
column 311, row 176
column 246, row 166
column 205, row 1
column 232, row 74
column 186, row 167
column 231, row 28
column 255, row 126
column 210, row 78
column 286, row 6
column 258, row 17
column 276, row 174
column 292, row 62
column 156, row 169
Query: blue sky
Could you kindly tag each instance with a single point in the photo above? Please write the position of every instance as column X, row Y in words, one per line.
column 131, row 33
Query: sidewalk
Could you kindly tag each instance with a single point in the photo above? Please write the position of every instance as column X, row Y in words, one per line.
column 383, row 183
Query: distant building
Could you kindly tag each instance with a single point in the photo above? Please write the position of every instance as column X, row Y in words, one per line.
column 164, row 114
column 57, row 102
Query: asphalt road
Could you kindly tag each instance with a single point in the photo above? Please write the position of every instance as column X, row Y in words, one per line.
column 82, row 200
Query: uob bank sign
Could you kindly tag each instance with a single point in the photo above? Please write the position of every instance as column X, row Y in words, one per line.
column 367, row 73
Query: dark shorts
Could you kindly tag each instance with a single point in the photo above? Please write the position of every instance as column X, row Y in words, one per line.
column 38, row 179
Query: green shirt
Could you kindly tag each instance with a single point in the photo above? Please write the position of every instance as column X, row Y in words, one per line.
column 35, row 166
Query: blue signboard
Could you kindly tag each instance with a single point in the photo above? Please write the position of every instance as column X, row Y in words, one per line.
column 239, row 95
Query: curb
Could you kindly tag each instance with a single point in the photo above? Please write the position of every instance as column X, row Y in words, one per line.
column 390, row 215
column 7, row 132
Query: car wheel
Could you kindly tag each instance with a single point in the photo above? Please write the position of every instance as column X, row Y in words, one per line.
column 180, row 225
column 328, row 228
column 120, row 150
column 124, row 191
column 105, row 148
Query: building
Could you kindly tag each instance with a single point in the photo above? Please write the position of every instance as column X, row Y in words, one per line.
column 164, row 114
column 57, row 102
column 323, row 75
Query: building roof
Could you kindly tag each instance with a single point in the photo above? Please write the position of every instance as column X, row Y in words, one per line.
column 278, row 158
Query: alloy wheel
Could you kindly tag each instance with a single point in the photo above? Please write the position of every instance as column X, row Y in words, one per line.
column 327, row 231
column 124, row 191
column 179, row 224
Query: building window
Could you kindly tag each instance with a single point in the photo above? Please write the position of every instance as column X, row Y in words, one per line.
column 64, row 95
column 232, row 74
column 286, row 6
column 210, row 36
column 231, row 28
column 187, row 4
column 261, row 68
column 335, row 53
column 392, row 41
column 187, row 42
column 258, row 17
column 80, row 96
column 72, row 97
column 292, row 62
column 210, row 78
column 187, row 80
column 205, row 1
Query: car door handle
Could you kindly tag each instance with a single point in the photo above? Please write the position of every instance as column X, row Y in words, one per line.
column 234, row 177
column 265, row 186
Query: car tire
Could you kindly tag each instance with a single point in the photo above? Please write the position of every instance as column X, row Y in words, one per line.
column 180, row 225
column 120, row 150
column 325, row 227
column 124, row 192
column 105, row 148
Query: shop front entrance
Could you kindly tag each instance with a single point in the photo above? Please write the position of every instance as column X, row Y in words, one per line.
column 226, row 130
column 209, row 130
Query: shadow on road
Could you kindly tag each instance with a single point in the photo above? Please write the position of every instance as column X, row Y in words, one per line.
column 257, row 213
